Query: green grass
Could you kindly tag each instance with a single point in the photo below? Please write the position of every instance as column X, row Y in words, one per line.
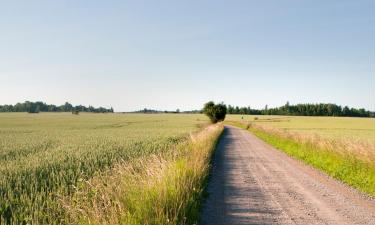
column 43, row 157
column 342, row 165
column 359, row 129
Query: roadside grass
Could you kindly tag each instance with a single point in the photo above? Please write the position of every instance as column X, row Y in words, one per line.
column 163, row 189
column 337, row 159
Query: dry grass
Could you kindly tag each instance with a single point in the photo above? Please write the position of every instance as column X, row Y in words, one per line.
column 358, row 129
column 162, row 189
column 354, row 147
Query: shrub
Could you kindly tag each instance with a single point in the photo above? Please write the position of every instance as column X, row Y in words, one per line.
column 216, row 112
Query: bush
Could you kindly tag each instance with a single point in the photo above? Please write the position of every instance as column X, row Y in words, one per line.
column 216, row 112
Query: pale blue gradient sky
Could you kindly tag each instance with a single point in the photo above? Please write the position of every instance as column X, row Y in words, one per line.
column 180, row 54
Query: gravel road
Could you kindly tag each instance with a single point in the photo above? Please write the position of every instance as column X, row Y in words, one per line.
column 253, row 183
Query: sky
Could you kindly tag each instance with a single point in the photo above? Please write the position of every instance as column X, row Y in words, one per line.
column 170, row 54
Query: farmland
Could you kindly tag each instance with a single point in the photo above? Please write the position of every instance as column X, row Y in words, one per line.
column 43, row 157
column 359, row 129
column 59, row 168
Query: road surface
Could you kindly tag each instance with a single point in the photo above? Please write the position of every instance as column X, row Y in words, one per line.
column 253, row 183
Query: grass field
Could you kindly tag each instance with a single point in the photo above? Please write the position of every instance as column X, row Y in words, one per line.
column 44, row 157
column 361, row 129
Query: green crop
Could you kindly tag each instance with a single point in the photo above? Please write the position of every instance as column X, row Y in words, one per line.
column 43, row 156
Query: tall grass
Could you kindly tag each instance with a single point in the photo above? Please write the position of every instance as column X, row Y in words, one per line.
column 349, row 161
column 163, row 189
column 352, row 147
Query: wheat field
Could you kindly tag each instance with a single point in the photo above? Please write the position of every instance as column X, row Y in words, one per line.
column 43, row 157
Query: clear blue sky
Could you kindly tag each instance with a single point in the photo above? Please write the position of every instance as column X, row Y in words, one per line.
column 180, row 54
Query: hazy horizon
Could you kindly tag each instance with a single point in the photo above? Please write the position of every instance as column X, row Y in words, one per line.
column 167, row 55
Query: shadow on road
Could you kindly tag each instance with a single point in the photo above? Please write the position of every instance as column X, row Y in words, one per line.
column 234, row 197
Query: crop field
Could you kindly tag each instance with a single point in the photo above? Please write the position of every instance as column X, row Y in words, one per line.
column 44, row 156
column 358, row 129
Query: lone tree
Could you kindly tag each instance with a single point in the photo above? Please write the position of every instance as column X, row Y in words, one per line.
column 216, row 112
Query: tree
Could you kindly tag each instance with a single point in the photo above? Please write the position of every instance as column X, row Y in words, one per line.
column 237, row 110
column 67, row 107
column 230, row 109
column 33, row 108
column 216, row 112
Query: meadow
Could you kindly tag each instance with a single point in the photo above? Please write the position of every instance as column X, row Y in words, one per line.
column 358, row 129
column 46, row 158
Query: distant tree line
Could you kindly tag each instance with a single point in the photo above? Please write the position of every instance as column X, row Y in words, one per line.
column 321, row 109
column 145, row 110
column 243, row 110
column 35, row 107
